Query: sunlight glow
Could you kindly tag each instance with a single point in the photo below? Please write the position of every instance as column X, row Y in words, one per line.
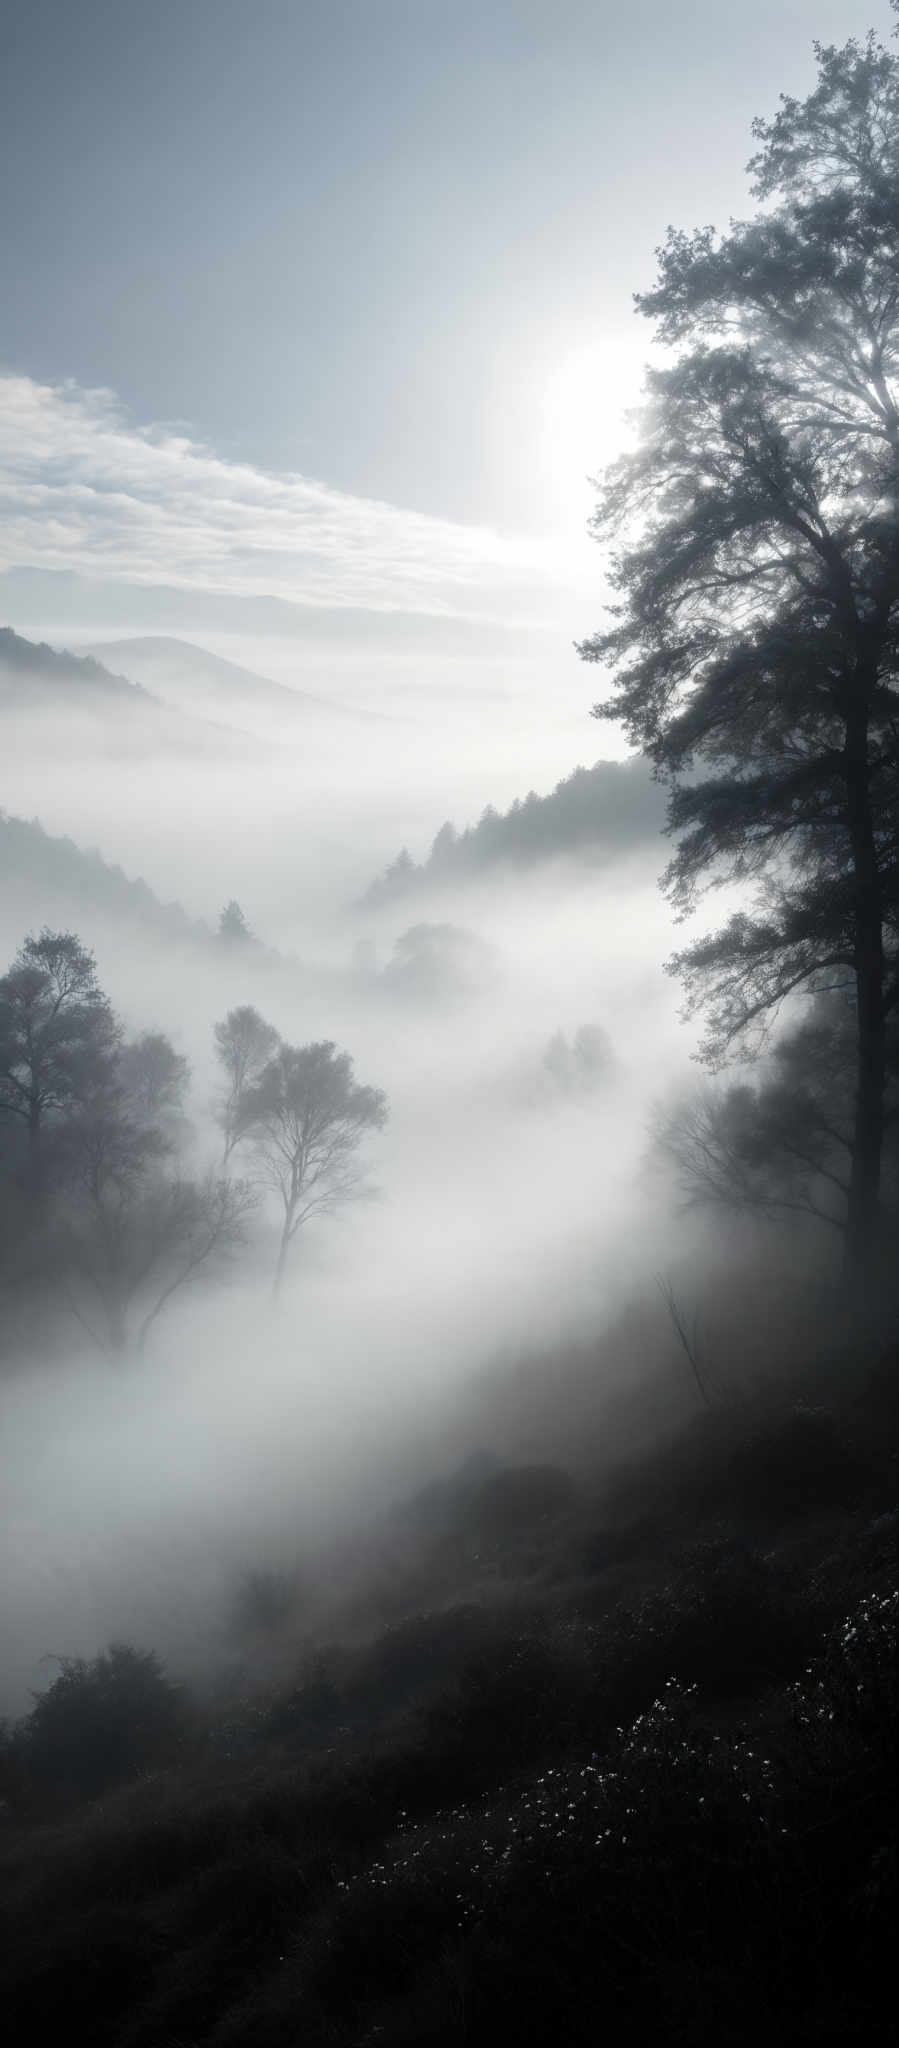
column 586, row 399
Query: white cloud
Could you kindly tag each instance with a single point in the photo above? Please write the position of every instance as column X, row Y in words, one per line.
column 83, row 488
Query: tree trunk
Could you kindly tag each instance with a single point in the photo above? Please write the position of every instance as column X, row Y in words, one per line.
column 283, row 1249
column 867, row 1142
column 35, row 1162
column 118, row 1328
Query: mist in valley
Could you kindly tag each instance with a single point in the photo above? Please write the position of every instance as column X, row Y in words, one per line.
column 449, row 1071
column 504, row 1207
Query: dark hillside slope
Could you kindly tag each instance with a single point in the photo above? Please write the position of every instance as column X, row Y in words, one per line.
column 604, row 813
column 646, row 1790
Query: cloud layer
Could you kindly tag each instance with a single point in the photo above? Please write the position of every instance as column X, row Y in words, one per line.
column 83, row 488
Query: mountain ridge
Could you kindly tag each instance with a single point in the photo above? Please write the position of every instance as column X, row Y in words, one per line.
column 37, row 676
column 170, row 661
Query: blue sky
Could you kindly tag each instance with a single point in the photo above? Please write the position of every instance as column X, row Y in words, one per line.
column 387, row 246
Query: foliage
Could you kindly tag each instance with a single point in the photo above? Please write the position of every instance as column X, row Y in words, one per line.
column 100, row 1215
column 496, row 1818
column 244, row 1042
column 757, row 579
column 57, row 1032
column 782, row 1143
column 609, row 810
column 441, row 964
column 306, row 1117
column 27, row 666
column 233, row 927
column 101, row 1721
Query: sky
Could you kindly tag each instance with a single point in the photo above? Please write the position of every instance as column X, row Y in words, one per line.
column 333, row 302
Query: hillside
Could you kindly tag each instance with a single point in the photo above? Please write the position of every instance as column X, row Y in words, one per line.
column 32, row 671
column 605, row 813
column 58, row 869
column 190, row 678
column 62, row 689
column 620, row 1750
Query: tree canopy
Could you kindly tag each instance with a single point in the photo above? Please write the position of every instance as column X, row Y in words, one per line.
column 57, row 1033
column 755, row 624
column 101, row 1221
column 244, row 1042
column 307, row 1116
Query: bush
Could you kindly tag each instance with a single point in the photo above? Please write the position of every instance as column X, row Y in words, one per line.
column 101, row 1721
column 414, row 1658
column 797, row 1462
column 511, row 1702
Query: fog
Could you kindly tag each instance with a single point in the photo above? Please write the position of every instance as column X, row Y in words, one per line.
column 506, row 1211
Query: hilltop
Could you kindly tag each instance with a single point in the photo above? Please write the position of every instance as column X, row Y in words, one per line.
column 31, row 668
column 110, row 708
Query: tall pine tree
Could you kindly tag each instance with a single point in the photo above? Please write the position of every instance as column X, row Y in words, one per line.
column 754, row 639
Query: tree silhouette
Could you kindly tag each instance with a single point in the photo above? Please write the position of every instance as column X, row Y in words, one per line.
column 307, row 1117
column 243, row 1044
column 57, row 1035
column 133, row 1228
column 120, row 1226
column 233, row 926
column 784, row 1143
column 756, row 623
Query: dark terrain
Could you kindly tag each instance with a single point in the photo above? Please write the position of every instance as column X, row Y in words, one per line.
column 629, row 1767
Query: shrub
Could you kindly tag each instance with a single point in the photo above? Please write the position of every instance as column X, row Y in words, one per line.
column 101, row 1721
column 510, row 1703
column 413, row 1658
column 799, row 1461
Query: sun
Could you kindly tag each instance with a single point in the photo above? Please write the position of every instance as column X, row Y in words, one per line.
column 590, row 389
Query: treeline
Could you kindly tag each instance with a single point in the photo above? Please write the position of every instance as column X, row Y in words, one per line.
column 107, row 1211
column 56, row 866
column 29, row 663
column 608, row 810
column 41, row 859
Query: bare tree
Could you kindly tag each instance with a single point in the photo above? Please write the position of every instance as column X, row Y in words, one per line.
column 244, row 1042
column 783, row 1143
column 687, row 1338
column 306, row 1118
column 136, row 1238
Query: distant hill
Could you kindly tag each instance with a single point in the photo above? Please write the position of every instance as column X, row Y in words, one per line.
column 36, row 678
column 58, row 867
column 191, row 679
column 605, row 812
column 30, row 668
